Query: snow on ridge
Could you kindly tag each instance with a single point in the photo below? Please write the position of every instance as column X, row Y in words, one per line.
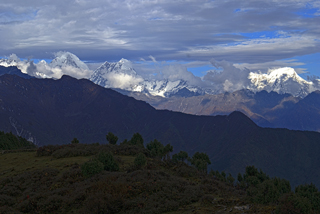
column 122, row 75
column 281, row 80
column 116, row 75
column 64, row 59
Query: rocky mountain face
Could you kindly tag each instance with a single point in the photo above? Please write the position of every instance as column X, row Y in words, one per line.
column 49, row 111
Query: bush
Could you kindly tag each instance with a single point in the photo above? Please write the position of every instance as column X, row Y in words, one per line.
column 46, row 150
column 137, row 140
column 75, row 141
column 156, row 148
column 310, row 192
column 140, row 160
column 293, row 203
column 107, row 159
column 91, row 168
column 70, row 152
column 200, row 160
column 181, row 156
column 111, row 138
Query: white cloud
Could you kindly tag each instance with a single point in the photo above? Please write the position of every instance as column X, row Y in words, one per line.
column 44, row 70
column 14, row 57
column 265, row 66
column 166, row 30
column 260, row 49
column 153, row 59
column 179, row 72
column 228, row 78
column 121, row 80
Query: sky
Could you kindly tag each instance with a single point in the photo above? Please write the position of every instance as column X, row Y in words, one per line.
column 249, row 34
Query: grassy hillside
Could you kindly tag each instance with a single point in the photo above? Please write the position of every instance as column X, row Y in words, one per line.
column 55, row 111
column 46, row 182
column 54, row 180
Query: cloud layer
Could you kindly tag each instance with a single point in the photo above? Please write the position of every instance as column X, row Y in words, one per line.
column 251, row 31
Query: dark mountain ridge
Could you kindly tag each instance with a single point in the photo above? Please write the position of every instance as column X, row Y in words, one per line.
column 266, row 109
column 55, row 111
column 13, row 70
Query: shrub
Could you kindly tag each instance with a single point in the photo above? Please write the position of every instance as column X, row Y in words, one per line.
column 91, row 168
column 46, row 150
column 181, row 156
column 310, row 192
column 107, row 159
column 293, row 203
column 140, row 160
column 137, row 140
column 75, row 141
column 6, row 200
column 111, row 138
column 70, row 152
column 156, row 148
column 230, row 179
column 200, row 160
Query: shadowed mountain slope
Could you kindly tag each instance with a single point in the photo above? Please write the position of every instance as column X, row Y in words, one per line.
column 13, row 70
column 265, row 109
column 55, row 111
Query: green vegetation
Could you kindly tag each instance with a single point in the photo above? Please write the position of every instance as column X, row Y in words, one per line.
column 125, row 178
column 111, row 138
column 157, row 150
column 140, row 160
column 136, row 140
column 9, row 141
column 107, row 159
column 262, row 189
column 91, row 168
column 181, row 156
column 75, row 141
column 200, row 160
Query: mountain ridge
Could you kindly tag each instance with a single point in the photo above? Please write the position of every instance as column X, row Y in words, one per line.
column 122, row 75
column 55, row 111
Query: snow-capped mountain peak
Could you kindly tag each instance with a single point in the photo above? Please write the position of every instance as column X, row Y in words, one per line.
column 116, row 75
column 281, row 80
column 122, row 75
column 12, row 60
column 284, row 73
column 64, row 59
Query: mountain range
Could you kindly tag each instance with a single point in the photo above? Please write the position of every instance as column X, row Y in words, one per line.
column 48, row 111
column 122, row 75
column 277, row 100
column 282, row 80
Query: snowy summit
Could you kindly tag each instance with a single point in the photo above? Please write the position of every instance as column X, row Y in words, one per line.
column 281, row 80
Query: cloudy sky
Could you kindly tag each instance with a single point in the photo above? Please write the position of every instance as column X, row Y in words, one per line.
column 256, row 34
